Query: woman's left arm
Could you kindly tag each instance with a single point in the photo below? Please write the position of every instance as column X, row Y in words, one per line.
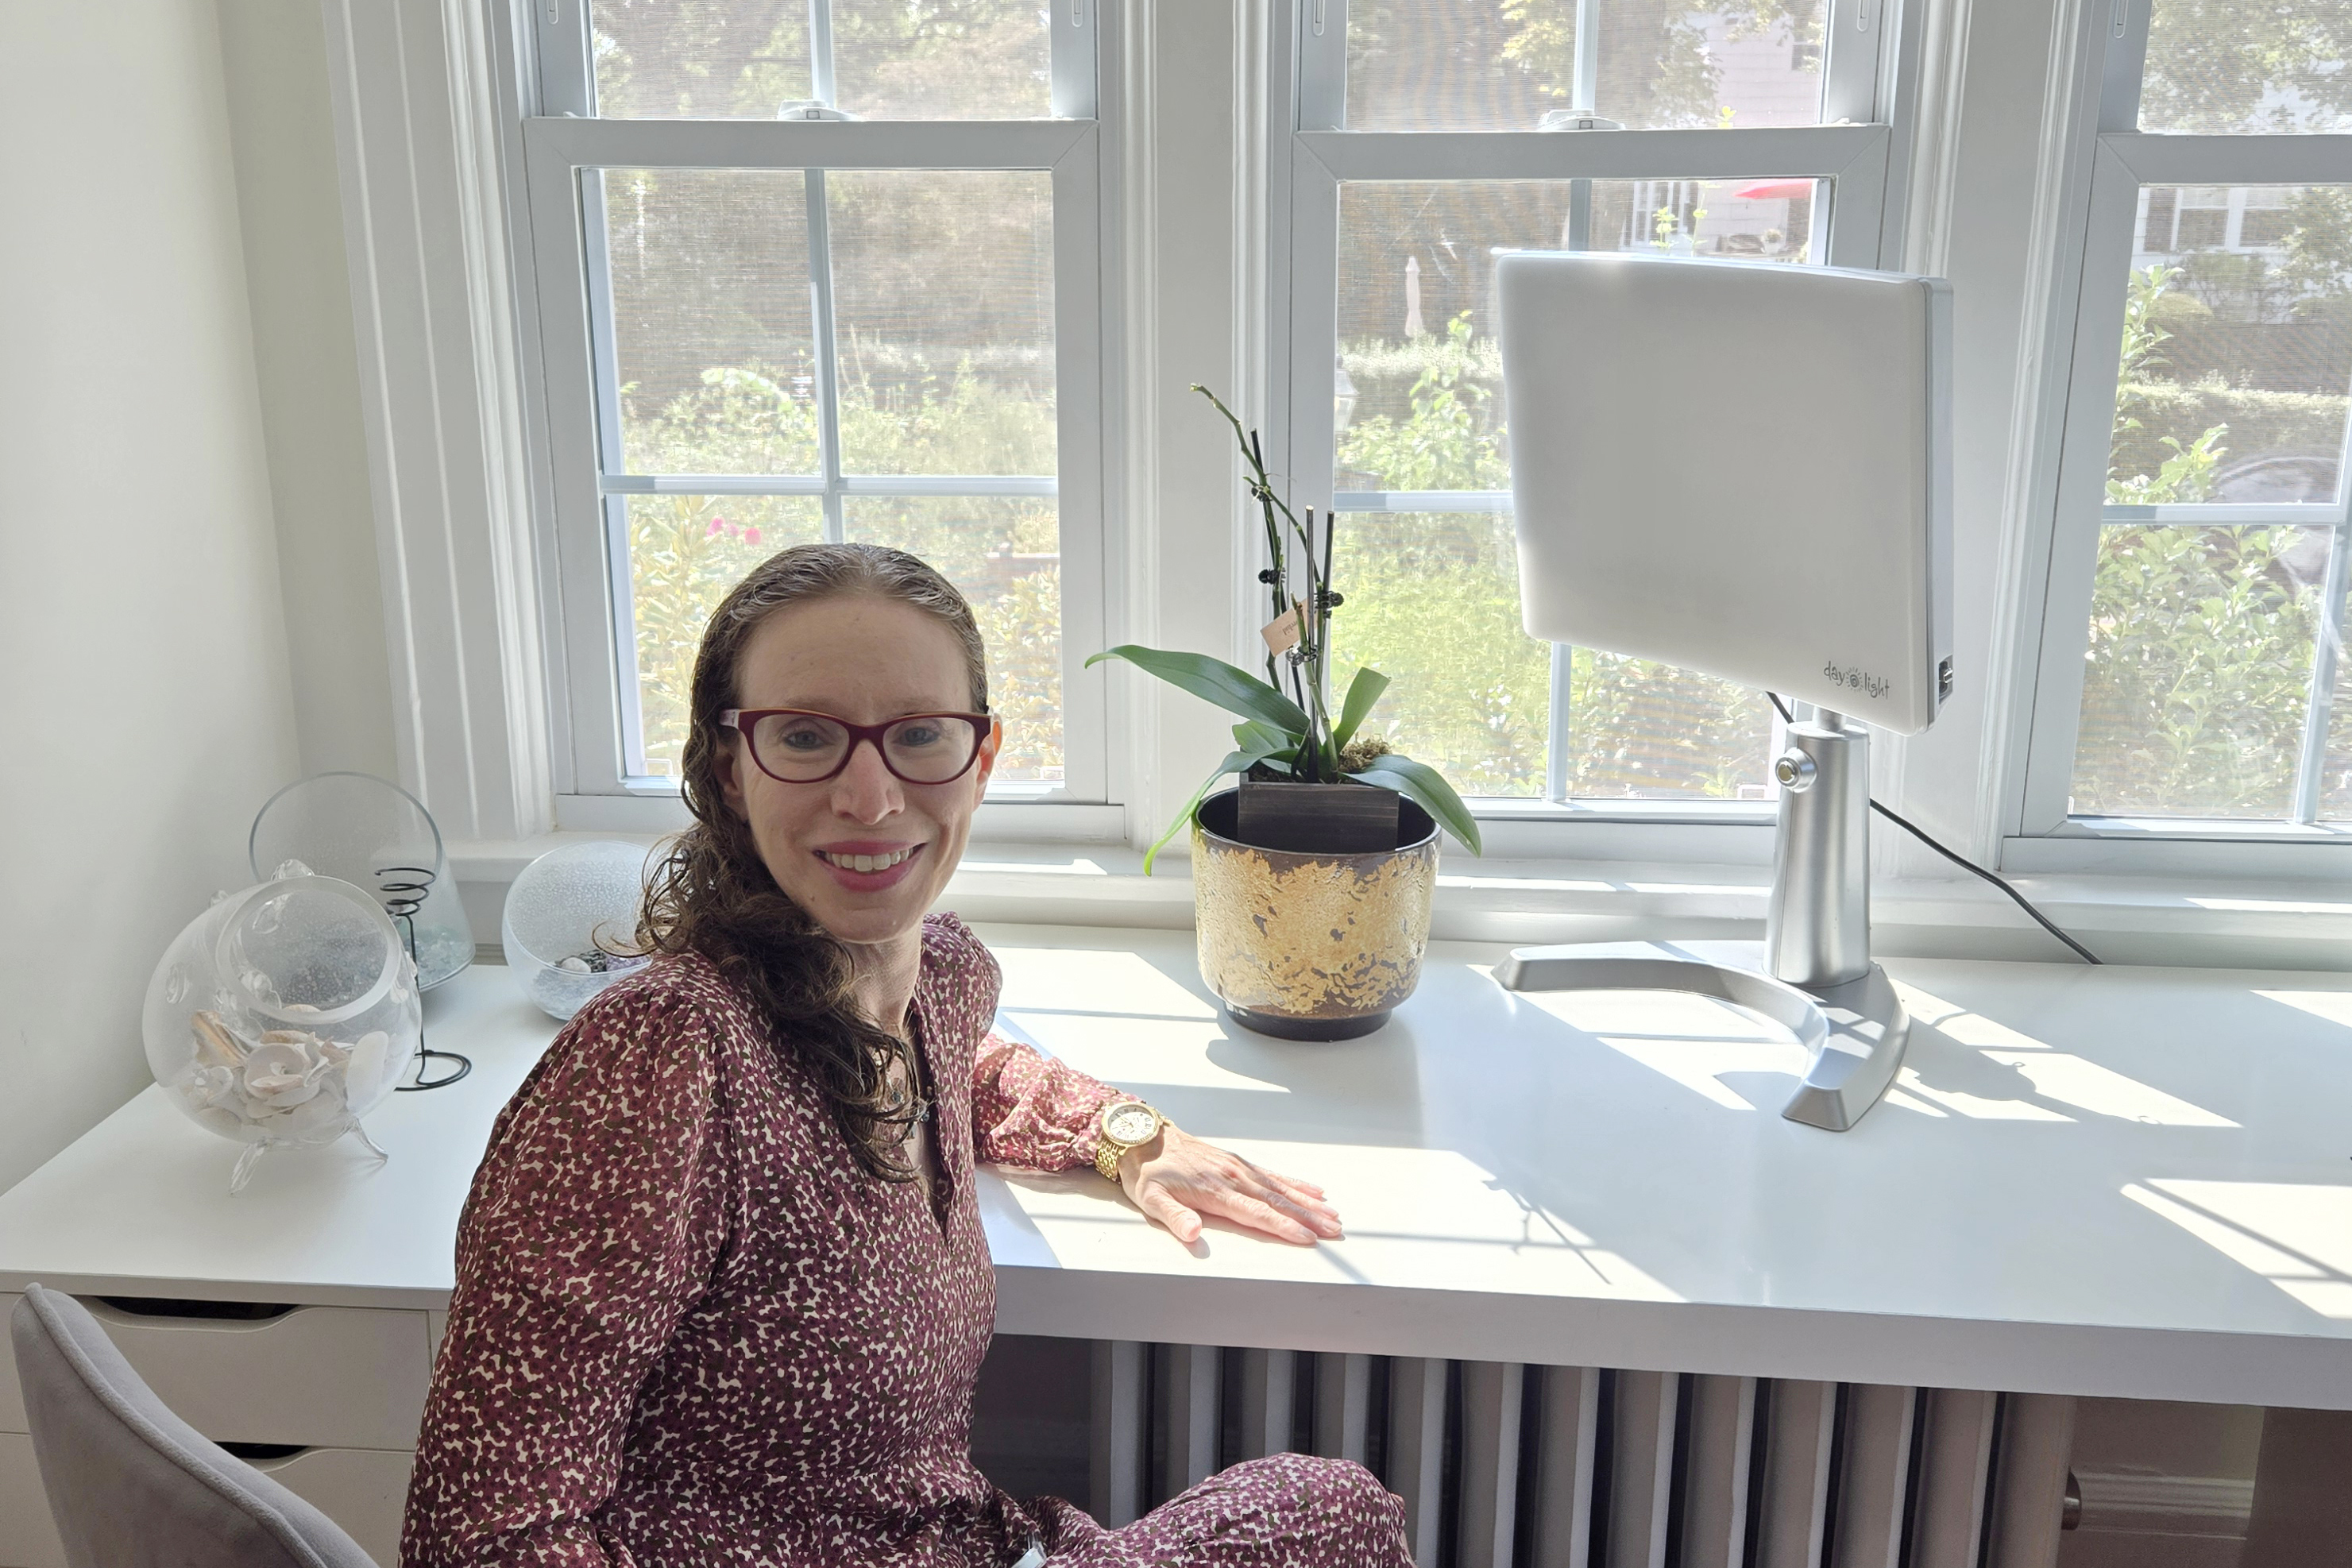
column 1028, row 1108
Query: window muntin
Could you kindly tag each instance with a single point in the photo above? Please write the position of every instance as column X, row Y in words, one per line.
column 865, row 59
column 1475, row 65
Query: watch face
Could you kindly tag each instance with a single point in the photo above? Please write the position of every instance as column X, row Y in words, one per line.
column 1131, row 1123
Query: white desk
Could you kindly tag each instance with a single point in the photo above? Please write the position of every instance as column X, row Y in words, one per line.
column 2126, row 1182
column 2120, row 1182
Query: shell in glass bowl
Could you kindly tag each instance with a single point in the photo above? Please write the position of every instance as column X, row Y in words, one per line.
column 282, row 1015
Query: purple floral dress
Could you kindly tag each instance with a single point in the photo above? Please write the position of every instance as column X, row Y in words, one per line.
column 688, row 1330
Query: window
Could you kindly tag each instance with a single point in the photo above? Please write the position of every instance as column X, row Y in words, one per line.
column 2193, row 678
column 824, row 269
column 1433, row 134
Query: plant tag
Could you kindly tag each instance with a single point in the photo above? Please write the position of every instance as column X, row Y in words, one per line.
column 1281, row 634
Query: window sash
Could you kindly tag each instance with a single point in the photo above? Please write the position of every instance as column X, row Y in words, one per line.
column 1858, row 226
column 598, row 653
column 2124, row 161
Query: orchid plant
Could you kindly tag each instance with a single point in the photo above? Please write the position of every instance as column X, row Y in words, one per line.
column 1289, row 730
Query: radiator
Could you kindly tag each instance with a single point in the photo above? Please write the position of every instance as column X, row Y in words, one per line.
column 1503, row 1465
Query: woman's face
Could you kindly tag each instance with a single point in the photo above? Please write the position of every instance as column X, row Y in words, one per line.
column 868, row 660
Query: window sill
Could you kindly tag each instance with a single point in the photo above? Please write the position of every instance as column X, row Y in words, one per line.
column 2191, row 923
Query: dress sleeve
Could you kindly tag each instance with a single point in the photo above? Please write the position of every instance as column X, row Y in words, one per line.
column 596, row 1216
column 1029, row 1109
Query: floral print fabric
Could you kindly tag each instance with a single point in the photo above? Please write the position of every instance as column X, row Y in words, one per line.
column 688, row 1330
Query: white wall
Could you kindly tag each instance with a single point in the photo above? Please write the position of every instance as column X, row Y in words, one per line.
column 147, row 695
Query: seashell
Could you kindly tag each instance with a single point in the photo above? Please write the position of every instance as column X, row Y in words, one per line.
column 574, row 965
column 215, row 1043
column 290, row 1037
column 370, row 1056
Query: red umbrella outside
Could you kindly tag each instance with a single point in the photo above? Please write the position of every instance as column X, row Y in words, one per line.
column 1774, row 190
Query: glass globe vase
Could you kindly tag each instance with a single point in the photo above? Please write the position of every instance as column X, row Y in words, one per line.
column 562, row 916
column 282, row 1015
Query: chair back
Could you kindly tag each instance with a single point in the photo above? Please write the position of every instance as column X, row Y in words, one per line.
column 132, row 1485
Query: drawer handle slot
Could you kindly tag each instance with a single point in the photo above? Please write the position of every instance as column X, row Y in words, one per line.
column 175, row 1307
column 261, row 1453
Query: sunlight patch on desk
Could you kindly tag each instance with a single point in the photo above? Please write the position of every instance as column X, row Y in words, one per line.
column 1699, row 1064
column 1398, row 1205
column 2072, row 1081
column 2336, row 1007
column 2298, row 1237
column 1975, row 1106
column 1077, row 980
column 1692, row 1039
column 1959, row 1024
column 1126, row 1050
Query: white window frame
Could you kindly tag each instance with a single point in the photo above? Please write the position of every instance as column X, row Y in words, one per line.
column 1861, row 147
column 2041, row 834
column 594, row 657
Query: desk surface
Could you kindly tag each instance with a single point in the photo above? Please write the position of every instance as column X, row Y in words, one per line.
column 2131, row 1181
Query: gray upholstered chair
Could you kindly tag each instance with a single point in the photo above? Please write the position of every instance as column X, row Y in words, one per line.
column 134, row 1485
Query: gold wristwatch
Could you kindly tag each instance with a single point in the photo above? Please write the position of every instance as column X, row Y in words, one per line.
column 1123, row 1126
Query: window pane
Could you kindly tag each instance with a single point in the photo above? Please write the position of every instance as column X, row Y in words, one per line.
column 2237, row 348
column 712, row 336
column 1004, row 553
column 1651, row 732
column 2335, row 770
column 745, row 59
column 1503, row 65
column 685, row 554
column 1416, row 300
column 943, row 291
column 942, row 59
column 1433, row 603
column 1418, row 388
column 2200, row 669
column 699, row 59
column 2217, row 68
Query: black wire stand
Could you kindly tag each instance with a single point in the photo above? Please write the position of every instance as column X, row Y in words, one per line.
column 402, row 898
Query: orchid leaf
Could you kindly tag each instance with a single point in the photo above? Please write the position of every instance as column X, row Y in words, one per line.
column 1236, row 763
column 1214, row 680
column 1254, row 735
column 1426, row 787
column 1362, row 692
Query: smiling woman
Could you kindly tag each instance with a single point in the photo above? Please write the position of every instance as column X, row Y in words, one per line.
column 722, row 1286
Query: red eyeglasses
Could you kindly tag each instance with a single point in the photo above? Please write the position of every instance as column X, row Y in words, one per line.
column 792, row 745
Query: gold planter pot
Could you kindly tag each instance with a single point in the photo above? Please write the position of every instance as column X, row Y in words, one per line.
column 1311, row 946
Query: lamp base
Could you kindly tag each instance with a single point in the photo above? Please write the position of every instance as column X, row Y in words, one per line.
column 1853, row 1034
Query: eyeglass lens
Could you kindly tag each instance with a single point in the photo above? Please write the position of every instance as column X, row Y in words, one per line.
column 806, row 747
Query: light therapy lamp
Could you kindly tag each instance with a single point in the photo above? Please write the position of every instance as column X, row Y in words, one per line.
column 1744, row 468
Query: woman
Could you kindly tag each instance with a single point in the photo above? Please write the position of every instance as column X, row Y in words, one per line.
column 722, row 1288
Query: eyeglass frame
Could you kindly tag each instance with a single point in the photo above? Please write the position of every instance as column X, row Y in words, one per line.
column 736, row 719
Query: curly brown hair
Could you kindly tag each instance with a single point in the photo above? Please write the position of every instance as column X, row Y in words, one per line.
column 714, row 895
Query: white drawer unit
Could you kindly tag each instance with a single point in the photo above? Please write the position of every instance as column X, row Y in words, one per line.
column 344, row 1385
column 334, row 1377
column 28, row 1539
column 362, row 1490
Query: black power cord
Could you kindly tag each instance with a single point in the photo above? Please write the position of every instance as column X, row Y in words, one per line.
column 1921, row 834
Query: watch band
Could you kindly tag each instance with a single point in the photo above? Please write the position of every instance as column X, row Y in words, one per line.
column 1108, row 1150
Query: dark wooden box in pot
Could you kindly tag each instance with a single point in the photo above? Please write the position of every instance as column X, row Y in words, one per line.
column 1311, row 945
